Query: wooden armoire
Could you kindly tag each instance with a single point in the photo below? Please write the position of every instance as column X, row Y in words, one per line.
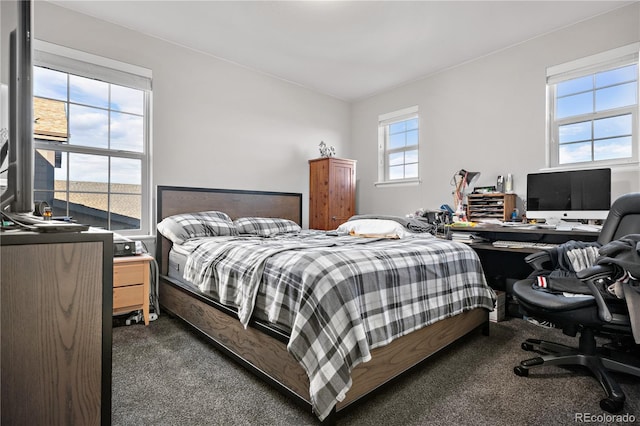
column 332, row 192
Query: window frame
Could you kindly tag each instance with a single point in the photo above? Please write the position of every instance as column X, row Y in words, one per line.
column 591, row 65
column 71, row 61
column 384, row 122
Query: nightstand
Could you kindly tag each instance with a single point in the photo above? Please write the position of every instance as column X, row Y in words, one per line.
column 131, row 283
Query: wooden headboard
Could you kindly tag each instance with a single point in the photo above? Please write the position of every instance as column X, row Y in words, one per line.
column 236, row 203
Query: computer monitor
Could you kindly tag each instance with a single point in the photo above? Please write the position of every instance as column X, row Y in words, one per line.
column 571, row 195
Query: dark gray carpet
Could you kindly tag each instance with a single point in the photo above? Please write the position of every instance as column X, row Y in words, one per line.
column 164, row 374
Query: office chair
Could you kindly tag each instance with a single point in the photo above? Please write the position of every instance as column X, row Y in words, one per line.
column 597, row 313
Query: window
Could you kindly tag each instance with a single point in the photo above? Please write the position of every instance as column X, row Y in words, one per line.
column 91, row 139
column 593, row 105
column 398, row 137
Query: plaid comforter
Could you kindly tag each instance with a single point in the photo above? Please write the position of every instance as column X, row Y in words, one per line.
column 341, row 296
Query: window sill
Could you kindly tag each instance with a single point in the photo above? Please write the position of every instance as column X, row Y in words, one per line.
column 614, row 166
column 399, row 182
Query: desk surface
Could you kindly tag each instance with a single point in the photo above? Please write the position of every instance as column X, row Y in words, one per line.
column 525, row 229
column 492, row 233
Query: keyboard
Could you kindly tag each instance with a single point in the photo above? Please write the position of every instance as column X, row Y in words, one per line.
column 523, row 244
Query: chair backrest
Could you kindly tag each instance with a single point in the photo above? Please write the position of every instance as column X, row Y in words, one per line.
column 623, row 218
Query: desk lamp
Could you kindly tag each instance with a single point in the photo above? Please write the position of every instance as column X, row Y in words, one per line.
column 461, row 180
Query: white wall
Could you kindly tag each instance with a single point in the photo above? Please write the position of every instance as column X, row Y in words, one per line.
column 215, row 124
column 487, row 115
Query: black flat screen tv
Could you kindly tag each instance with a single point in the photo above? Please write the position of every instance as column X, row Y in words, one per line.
column 18, row 195
column 573, row 195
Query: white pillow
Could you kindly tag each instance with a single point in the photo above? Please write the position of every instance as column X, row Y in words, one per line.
column 375, row 227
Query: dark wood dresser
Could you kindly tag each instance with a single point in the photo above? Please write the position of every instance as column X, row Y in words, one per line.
column 56, row 313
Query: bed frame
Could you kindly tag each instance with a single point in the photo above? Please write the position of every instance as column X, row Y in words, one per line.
column 262, row 348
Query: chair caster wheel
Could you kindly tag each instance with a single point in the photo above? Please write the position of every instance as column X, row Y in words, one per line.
column 521, row 371
column 611, row 405
column 526, row 346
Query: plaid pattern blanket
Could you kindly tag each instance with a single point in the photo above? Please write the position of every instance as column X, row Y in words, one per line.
column 342, row 296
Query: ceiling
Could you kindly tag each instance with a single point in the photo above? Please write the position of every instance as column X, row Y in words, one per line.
column 346, row 49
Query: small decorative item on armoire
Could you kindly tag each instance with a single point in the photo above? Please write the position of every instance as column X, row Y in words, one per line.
column 326, row 151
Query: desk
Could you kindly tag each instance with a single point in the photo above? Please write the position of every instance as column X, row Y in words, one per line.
column 538, row 235
column 504, row 266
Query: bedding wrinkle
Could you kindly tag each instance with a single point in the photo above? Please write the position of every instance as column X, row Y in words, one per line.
column 330, row 317
column 341, row 296
column 236, row 266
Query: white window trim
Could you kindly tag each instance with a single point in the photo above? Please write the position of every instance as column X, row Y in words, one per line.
column 93, row 66
column 88, row 65
column 383, row 121
column 587, row 65
column 577, row 68
column 398, row 182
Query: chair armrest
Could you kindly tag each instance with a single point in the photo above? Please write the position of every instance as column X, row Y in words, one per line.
column 597, row 271
column 591, row 276
column 538, row 259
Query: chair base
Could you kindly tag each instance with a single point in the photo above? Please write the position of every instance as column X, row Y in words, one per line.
column 599, row 360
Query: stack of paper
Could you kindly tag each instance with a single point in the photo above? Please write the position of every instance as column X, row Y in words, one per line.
column 466, row 237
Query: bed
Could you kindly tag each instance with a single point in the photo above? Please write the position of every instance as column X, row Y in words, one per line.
column 270, row 348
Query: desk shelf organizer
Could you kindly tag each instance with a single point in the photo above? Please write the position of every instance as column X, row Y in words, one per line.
column 490, row 206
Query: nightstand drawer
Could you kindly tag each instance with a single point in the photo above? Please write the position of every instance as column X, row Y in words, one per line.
column 131, row 284
column 128, row 296
column 132, row 274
